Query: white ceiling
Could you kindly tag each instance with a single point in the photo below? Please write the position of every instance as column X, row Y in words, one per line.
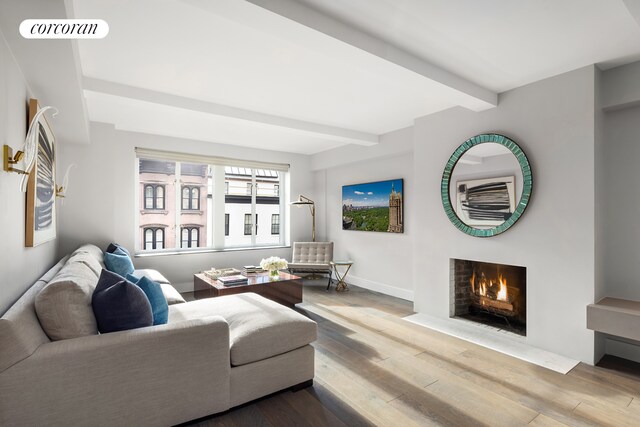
column 500, row 44
column 277, row 74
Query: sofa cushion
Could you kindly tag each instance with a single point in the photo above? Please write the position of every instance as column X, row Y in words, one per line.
column 88, row 260
column 119, row 262
column 119, row 305
column 93, row 251
column 170, row 293
column 258, row 328
column 63, row 306
column 153, row 291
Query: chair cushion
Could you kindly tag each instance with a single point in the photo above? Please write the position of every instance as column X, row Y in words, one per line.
column 309, row 266
column 63, row 306
column 119, row 262
column 120, row 305
column 258, row 328
column 170, row 293
column 153, row 291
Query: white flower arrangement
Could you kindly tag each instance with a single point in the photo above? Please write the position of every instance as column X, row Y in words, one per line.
column 273, row 263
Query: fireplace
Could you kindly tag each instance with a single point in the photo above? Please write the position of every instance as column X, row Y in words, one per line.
column 492, row 294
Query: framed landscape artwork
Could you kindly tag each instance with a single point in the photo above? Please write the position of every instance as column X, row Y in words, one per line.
column 485, row 202
column 374, row 206
column 41, row 190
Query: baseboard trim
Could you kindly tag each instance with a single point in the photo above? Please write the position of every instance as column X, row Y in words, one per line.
column 380, row 287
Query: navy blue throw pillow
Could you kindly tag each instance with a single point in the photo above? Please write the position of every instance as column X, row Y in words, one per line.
column 119, row 262
column 153, row 290
column 119, row 305
column 113, row 246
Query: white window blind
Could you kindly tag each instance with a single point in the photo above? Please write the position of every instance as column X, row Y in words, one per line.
column 211, row 160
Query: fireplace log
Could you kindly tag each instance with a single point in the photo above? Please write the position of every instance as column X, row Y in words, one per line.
column 492, row 303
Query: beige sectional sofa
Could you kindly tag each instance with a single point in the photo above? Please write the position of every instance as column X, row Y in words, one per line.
column 212, row 355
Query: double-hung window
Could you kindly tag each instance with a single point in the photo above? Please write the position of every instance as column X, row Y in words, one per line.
column 153, row 196
column 153, row 238
column 190, row 198
column 190, row 237
column 190, row 202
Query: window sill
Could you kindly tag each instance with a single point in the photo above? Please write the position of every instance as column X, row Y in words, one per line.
column 150, row 254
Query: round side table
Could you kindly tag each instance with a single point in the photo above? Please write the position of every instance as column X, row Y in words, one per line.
column 341, row 285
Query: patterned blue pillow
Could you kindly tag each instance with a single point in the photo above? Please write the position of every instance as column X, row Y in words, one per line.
column 119, row 305
column 153, row 290
column 118, row 262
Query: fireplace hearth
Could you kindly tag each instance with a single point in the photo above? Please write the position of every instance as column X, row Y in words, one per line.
column 491, row 294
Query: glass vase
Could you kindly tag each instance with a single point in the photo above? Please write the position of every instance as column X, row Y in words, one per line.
column 274, row 274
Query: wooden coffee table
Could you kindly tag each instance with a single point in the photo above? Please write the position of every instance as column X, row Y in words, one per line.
column 287, row 290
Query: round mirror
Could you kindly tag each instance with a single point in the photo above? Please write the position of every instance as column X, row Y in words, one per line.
column 486, row 185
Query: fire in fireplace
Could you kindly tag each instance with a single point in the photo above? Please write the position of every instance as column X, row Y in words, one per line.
column 492, row 294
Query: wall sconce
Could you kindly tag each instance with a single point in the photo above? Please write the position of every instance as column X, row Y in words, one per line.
column 29, row 151
column 61, row 191
column 302, row 200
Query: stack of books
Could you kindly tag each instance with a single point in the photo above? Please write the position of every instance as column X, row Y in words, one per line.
column 233, row 280
column 251, row 269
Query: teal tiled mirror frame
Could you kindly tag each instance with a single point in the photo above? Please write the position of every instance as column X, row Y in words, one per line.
column 527, row 184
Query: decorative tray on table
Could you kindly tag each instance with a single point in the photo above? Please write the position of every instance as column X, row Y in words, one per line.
column 221, row 272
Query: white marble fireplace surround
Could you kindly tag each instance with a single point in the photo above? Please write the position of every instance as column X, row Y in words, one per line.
column 554, row 122
column 498, row 340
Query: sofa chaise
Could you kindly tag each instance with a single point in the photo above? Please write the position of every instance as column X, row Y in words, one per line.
column 212, row 355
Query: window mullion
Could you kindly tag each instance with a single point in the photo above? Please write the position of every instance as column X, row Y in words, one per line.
column 177, row 230
column 254, row 219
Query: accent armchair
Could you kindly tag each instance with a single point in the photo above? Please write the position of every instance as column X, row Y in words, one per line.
column 312, row 257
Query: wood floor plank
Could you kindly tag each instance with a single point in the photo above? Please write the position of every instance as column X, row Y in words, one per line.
column 365, row 398
column 546, row 381
column 312, row 410
column 607, row 417
column 544, row 421
column 613, row 379
column 427, row 415
column 483, row 406
column 280, row 413
column 348, row 415
column 357, row 369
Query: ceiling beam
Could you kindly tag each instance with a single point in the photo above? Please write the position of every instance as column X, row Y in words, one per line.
column 477, row 97
column 633, row 6
column 331, row 133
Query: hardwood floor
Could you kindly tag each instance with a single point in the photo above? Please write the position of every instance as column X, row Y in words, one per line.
column 372, row 368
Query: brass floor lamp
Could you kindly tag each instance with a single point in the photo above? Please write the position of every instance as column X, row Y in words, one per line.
column 302, row 201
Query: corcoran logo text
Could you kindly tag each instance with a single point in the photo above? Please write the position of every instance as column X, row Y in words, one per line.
column 64, row 29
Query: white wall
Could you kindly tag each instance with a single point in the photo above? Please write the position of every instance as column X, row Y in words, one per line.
column 19, row 266
column 553, row 121
column 100, row 204
column 622, row 201
column 382, row 261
